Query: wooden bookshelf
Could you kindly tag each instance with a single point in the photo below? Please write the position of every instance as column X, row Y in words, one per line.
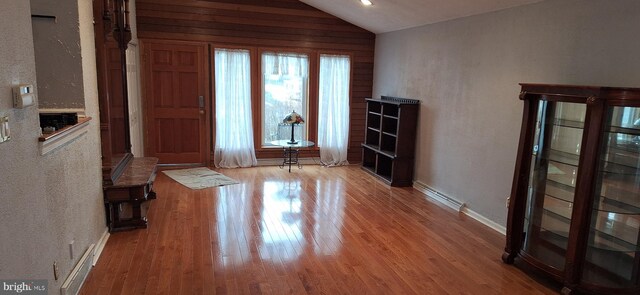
column 390, row 139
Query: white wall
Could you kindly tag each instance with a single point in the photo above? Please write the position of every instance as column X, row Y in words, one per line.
column 466, row 74
column 45, row 201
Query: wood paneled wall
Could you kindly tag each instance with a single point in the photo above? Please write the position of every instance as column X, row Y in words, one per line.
column 271, row 24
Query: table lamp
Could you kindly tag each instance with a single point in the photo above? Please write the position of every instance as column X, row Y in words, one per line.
column 293, row 119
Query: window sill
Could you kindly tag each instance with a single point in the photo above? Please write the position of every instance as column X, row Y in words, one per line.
column 63, row 136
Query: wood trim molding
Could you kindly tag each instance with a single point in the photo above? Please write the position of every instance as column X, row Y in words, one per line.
column 63, row 136
column 100, row 245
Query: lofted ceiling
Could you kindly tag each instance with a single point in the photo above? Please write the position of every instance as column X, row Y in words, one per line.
column 392, row 15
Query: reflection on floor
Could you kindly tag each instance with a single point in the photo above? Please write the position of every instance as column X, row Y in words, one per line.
column 315, row 230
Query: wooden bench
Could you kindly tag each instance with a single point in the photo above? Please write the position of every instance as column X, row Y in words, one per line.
column 134, row 187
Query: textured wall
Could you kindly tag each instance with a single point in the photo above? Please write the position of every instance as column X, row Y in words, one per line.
column 57, row 50
column 466, row 73
column 46, row 201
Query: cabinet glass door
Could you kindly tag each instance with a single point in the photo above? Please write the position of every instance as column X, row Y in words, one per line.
column 613, row 250
column 552, row 180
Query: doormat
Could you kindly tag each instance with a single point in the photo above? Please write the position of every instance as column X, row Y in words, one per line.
column 199, row 178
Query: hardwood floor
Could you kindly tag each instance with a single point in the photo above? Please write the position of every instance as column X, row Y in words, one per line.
column 316, row 230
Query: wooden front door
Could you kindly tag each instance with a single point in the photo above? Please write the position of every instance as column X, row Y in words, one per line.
column 176, row 102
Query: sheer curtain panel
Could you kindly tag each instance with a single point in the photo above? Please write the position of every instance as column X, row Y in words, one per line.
column 234, row 133
column 333, row 109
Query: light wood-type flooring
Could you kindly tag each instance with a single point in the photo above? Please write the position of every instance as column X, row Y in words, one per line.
column 312, row 231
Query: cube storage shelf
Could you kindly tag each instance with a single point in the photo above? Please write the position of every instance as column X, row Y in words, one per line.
column 390, row 139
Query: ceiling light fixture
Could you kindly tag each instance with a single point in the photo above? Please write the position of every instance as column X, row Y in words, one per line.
column 366, row 2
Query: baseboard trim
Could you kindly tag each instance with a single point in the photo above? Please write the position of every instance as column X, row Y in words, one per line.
column 457, row 206
column 100, row 246
column 75, row 280
column 438, row 196
column 486, row 221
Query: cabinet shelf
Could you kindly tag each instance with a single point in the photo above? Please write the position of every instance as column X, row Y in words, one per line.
column 627, row 149
column 390, row 110
column 389, row 134
column 388, row 153
column 569, row 123
column 564, row 157
column 607, row 241
column 565, row 193
column 373, row 120
column 615, row 206
column 371, row 147
column 378, row 150
column 562, row 173
column 374, row 107
column 623, row 130
column 604, row 238
column 389, row 146
column 369, row 168
column 390, row 125
column 611, row 166
column 623, row 188
column 559, row 191
column 602, row 270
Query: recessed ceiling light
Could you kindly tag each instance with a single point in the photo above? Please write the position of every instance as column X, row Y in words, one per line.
column 366, row 2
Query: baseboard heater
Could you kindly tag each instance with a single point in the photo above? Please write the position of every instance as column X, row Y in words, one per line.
column 72, row 284
column 438, row 196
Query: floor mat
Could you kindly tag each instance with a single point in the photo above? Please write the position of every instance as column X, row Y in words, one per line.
column 199, row 178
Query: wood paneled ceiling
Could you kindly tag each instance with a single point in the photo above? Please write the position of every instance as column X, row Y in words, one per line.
column 392, row 15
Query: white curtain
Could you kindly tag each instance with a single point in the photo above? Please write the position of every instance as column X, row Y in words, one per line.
column 285, row 64
column 234, row 132
column 333, row 109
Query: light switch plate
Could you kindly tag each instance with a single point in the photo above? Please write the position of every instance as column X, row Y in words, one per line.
column 5, row 133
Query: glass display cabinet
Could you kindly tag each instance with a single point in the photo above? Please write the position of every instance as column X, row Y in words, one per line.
column 574, row 210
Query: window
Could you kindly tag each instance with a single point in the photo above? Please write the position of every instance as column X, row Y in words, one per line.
column 285, row 88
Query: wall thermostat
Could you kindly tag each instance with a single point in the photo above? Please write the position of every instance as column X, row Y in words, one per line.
column 23, row 96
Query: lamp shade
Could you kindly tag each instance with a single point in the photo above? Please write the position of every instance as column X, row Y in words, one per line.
column 293, row 118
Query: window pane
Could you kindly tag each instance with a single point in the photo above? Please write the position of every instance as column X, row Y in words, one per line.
column 284, row 89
